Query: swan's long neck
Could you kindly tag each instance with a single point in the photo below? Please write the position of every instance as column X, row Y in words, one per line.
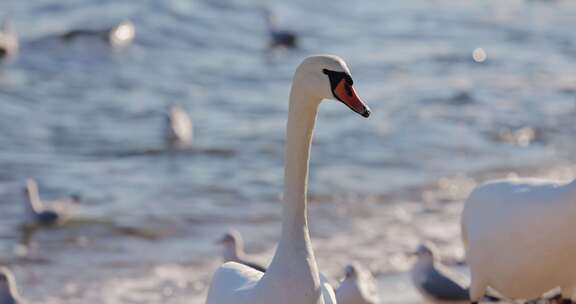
column 294, row 264
column 33, row 202
column 301, row 121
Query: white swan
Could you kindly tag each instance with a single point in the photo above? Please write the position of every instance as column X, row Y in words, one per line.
column 519, row 238
column 178, row 127
column 358, row 286
column 8, row 39
column 234, row 250
column 293, row 275
column 37, row 213
column 8, row 291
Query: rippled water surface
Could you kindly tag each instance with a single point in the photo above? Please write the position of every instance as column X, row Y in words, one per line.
column 82, row 118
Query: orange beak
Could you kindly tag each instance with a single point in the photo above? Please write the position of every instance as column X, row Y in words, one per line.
column 346, row 94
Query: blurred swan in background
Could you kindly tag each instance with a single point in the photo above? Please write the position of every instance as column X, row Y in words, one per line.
column 178, row 127
column 293, row 276
column 234, row 250
column 8, row 290
column 8, row 39
column 279, row 37
column 358, row 286
column 120, row 35
column 38, row 213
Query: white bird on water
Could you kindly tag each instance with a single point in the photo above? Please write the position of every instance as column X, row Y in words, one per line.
column 234, row 250
column 358, row 286
column 178, row 127
column 8, row 290
column 293, row 276
column 519, row 238
column 38, row 213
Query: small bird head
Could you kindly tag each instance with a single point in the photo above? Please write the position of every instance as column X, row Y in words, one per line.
column 426, row 251
column 351, row 271
column 232, row 245
column 230, row 238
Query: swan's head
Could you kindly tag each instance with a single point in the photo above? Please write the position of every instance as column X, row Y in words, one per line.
column 328, row 77
column 31, row 187
column 426, row 252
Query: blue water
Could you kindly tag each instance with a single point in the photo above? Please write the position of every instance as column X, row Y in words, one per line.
column 82, row 118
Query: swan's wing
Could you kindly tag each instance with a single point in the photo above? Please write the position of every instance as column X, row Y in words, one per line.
column 228, row 280
column 327, row 291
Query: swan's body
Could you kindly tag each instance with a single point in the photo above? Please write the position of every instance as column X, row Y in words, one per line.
column 38, row 213
column 8, row 290
column 8, row 40
column 293, row 276
column 435, row 282
column 119, row 35
column 234, row 250
column 519, row 238
column 178, row 127
column 358, row 287
column 279, row 37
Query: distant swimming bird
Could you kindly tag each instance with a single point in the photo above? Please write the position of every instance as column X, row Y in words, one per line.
column 293, row 275
column 279, row 37
column 40, row 214
column 234, row 250
column 435, row 281
column 8, row 39
column 178, row 127
column 119, row 35
column 519, row 238
column 358, row 287
column 8, row 290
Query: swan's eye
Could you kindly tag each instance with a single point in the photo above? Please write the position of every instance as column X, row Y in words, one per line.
column 349, row 80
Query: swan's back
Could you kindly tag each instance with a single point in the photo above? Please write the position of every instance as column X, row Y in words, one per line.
column 516, row 205
column 517, row 232
column 231, row 282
